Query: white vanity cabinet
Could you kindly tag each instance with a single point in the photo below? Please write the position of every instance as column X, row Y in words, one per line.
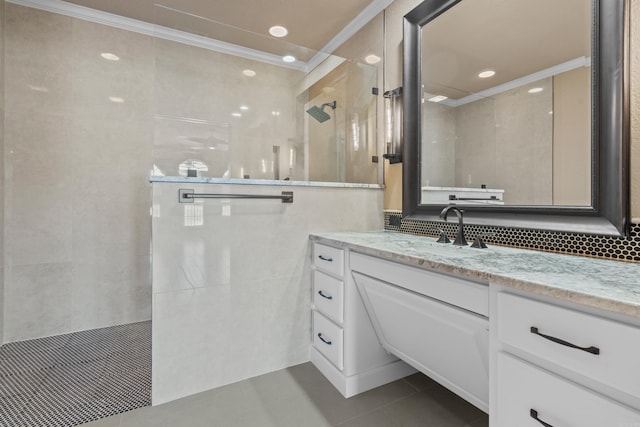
column 562, row 364
column 435, row 322
column 344, row 344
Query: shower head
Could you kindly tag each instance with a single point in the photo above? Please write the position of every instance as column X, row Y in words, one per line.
column 319, row 114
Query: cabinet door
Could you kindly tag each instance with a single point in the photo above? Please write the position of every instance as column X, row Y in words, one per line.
column 526, row 392
column 448, row 344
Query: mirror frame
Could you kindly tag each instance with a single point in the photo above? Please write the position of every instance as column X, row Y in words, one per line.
column 609, row 212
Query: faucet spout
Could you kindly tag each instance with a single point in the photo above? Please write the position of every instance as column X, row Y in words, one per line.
column 460, row 239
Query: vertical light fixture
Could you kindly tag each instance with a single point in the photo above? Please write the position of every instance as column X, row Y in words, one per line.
column 393, row 125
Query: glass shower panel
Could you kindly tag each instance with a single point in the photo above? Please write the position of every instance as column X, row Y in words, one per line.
column 227, row 106
column 340, row 127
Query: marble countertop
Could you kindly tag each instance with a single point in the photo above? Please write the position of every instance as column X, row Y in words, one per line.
column 607, row 285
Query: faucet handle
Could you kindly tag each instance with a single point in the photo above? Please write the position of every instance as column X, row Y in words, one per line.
column 443, row 236
column 479, row 242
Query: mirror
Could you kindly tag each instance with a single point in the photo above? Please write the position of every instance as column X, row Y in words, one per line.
column 517, row 110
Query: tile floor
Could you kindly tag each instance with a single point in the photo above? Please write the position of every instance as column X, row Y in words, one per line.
column 301, row 397
column 69, row 379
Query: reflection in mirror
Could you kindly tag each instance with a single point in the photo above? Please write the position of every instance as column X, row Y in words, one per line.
column 229, row 106
column 544, row 167
column 506, row 104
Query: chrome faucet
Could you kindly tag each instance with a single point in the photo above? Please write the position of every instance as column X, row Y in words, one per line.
column 460, row 240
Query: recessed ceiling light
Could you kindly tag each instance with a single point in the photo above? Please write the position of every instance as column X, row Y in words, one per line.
column 275, row 113
column 278, row 31
column 236, row 114
column 249, row 73
column 110, row 56
column 372, row 59
column 487, row 74
column 116, row 99
column 289, row 58
column 438, row 98
column 244, row 107
column 536, row 90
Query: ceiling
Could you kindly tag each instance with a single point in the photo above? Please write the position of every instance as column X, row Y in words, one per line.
column 311, row 23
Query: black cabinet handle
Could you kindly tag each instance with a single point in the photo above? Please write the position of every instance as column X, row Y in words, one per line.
column 534, row 415
column 325, row 296
column 592, row 349
column 323, row 340
column 325, row 259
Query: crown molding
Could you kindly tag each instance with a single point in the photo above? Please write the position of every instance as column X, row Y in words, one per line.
column 582, row 61
column 141, row 27
column 362, row 19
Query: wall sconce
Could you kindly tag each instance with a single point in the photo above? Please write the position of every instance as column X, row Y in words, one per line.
column 393, row 125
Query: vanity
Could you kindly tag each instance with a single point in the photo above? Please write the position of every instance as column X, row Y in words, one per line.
column 532, row 338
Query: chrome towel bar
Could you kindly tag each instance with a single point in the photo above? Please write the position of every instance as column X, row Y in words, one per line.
column 187, row 196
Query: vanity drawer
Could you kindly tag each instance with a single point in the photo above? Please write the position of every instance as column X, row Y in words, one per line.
column 328, row 259
column 609, row 350
column 328, row 339
column 328, row 294
column 560, row 403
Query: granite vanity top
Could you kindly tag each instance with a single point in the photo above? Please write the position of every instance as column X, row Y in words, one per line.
column 604, row 284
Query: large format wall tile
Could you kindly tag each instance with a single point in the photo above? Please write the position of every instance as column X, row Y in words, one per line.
column 232, row 282
column 38, row 300
column 106, row 89
column 2, row 189
column 37, row 64
column 39, row 183
column 77, row 164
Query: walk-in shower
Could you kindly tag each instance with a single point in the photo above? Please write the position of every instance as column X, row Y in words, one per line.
column 319, row 114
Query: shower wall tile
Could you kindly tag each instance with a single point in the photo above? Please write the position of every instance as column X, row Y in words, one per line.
column 39, row 183
column 120, row 288
column 37, row 300
column 128, row 81
column 37, row 63
column 76, row 193
column 238, row 272
column 2, row 189
column 111, row 195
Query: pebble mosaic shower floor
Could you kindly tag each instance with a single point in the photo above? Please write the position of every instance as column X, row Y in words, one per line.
column 70, row 379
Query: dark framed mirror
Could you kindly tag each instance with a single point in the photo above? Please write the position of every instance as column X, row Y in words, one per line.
column 566, row 168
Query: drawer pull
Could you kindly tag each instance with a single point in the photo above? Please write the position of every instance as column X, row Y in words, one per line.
column 324, row 296
column 592, row 349
column 534, row 415
column 323, row 340
column 325, row 259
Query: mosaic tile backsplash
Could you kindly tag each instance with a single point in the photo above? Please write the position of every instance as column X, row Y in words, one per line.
column 607, row 247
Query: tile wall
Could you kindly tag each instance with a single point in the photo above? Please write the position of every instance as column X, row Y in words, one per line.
column 1, row 171
column 77, row 197
column 231, row 296
column 82, row 134
column 587, row 245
